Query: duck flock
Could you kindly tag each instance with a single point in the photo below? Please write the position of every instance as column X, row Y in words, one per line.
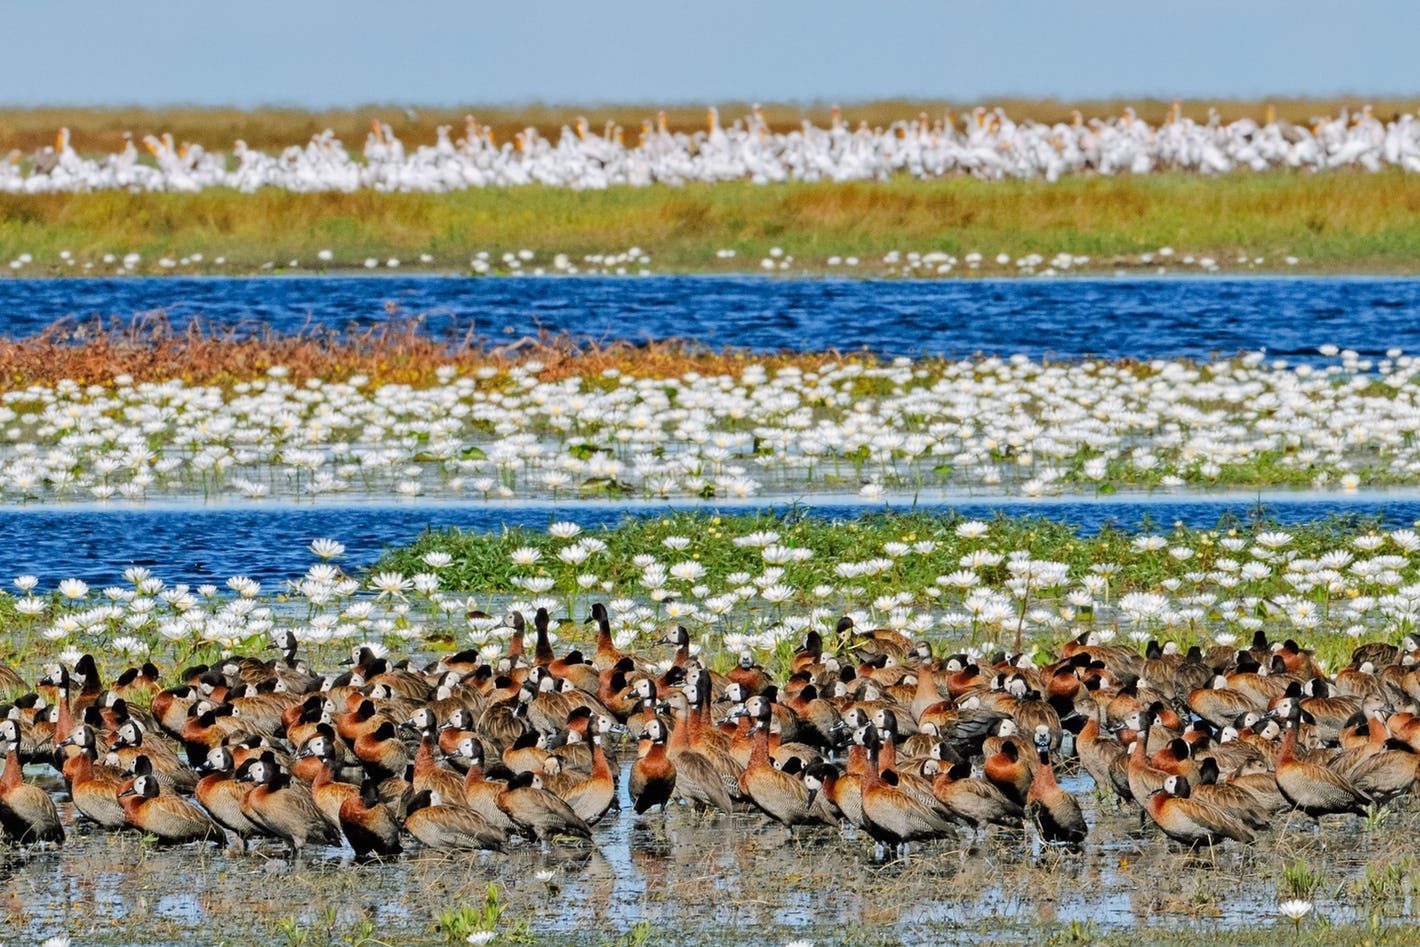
column 862, row 728
column 987, row 145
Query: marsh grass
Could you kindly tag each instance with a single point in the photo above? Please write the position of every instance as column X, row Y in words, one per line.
column 1330, row 221
column 400, row 351
column 482, row 564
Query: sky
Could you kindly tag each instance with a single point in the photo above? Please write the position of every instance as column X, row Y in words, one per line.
column 331, row 53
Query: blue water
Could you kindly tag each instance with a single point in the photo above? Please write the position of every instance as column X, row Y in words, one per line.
column 1063, row 318
column 197, row 545
column 1193, row 317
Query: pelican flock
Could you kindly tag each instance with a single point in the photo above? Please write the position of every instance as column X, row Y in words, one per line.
column 988, row 145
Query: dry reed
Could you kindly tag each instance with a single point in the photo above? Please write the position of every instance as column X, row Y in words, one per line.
column 153, row 349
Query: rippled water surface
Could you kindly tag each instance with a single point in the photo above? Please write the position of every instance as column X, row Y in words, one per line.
column 268, row 543
column 1112, row 317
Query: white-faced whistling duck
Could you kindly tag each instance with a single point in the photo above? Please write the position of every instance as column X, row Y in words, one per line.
column 593, row 796
column 970, row 799
column 607, row 653
column 221, row 795
column 538, row 813
column 327, row 792
column 1054, row 812
column 171, row 819
column 428, row 774
column 482, row 794
column 698, row 781
column 368, row 824
column 1313, row 788
column 93, row 787
column 27, row 814
column 1191, row 822
column 890, row 815
column 782, row 797
column 281, row 808
column 442, row 826
column 653, row 775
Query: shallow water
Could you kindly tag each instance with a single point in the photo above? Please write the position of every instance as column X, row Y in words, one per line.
column 1066, row 318
column 735, row 879
column 267, row 540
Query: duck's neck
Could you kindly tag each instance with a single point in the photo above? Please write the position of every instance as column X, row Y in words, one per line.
column 887, row 756
column 424, row 756
column 759, row 754
column 11, row 777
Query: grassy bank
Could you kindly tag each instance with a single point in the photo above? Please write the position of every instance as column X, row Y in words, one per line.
column 1329, row 222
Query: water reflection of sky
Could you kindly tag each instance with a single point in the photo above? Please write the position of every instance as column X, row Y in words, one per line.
column 1110, row 317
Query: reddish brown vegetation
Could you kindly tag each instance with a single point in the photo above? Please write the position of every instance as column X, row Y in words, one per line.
column 152, row 348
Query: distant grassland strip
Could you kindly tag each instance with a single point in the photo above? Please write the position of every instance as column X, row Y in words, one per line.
column 1331, row 221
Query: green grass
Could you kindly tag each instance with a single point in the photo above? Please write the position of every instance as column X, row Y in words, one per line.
column 483, row 564
column 1331, row 222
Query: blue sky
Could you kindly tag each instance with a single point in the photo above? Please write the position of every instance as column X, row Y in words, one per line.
column 348, row 52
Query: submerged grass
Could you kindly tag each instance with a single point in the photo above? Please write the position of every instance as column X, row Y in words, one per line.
column 1332, row 221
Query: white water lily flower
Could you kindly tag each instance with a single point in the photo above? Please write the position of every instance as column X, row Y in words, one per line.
column 389, row 584
column 525, row 555
column 972, row 529
column 776, row 594
column 687, row 571
column 1273, row 539
column 1295, row 909
column 575, row 554
column 326, row 548
column 30, row 605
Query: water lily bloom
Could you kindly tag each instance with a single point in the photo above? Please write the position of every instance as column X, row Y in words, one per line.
column 437, row 560
column 1295, row 909
column 525, row 556
column 326, row 548
column 389, row 584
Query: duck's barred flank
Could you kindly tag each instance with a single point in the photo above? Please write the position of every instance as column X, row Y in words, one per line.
column 865, row 734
